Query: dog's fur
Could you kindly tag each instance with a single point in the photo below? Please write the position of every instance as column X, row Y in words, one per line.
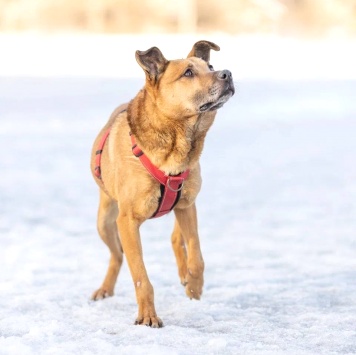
column 169, row 117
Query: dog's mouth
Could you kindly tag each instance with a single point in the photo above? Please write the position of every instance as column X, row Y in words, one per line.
column 210, row 106
column 214, row 105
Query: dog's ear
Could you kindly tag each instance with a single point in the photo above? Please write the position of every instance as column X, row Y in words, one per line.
column 201, row 50
column 152, row 62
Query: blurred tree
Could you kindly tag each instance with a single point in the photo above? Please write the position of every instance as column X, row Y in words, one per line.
column 319, row 17
column 292, row 17
column 187, row 16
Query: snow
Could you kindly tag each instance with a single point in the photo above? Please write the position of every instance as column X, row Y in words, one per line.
column 248, row 56
column 276, row 219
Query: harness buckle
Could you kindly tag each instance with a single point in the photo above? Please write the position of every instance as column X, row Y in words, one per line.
column 176, row 180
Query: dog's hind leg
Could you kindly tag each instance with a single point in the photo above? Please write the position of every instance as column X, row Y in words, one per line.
column 188, row 224
column 107, row 229
column 180, row 252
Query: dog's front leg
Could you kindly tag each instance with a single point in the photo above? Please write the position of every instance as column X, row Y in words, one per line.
column 130, row 238
column 180, row 252
column 194, row 280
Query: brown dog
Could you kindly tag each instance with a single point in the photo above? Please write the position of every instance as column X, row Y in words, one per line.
column 165, row 123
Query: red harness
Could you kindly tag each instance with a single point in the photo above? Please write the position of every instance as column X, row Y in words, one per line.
column 170, row 185
column 99, row 152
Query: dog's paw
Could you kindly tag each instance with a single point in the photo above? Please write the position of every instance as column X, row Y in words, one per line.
column 194, row 285
column 153, row 322
column 101, row 293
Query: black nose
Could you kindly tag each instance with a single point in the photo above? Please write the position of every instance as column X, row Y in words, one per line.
column 224, row 74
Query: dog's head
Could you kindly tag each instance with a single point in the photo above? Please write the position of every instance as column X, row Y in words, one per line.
column 185, row 87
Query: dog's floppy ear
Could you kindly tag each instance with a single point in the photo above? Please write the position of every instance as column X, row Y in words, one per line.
column 152, row 62
column 201, row 50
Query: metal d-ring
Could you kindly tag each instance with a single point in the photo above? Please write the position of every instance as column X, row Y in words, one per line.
column 171, row 188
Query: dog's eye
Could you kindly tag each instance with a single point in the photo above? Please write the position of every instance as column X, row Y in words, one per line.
column 211, row 67
column 188, row 72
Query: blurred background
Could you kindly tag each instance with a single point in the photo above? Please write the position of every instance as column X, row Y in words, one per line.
column 286, row 17
column 260, row 39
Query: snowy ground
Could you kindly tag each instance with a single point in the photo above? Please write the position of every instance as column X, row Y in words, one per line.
column 277, row 217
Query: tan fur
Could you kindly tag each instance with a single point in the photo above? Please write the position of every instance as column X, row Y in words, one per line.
column 170, row 124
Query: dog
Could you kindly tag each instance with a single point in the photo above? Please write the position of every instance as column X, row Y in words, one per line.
column 146, row 163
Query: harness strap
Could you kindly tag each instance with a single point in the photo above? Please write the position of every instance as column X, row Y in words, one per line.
column 171, row 185
column 99, row 152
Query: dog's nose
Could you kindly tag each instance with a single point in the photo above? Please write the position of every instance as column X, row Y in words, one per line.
column 224, row 74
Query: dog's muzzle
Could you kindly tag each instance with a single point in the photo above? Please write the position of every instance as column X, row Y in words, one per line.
column 227, row 89
column 226, row 76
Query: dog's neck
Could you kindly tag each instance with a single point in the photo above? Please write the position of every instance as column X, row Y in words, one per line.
column 172, row 144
